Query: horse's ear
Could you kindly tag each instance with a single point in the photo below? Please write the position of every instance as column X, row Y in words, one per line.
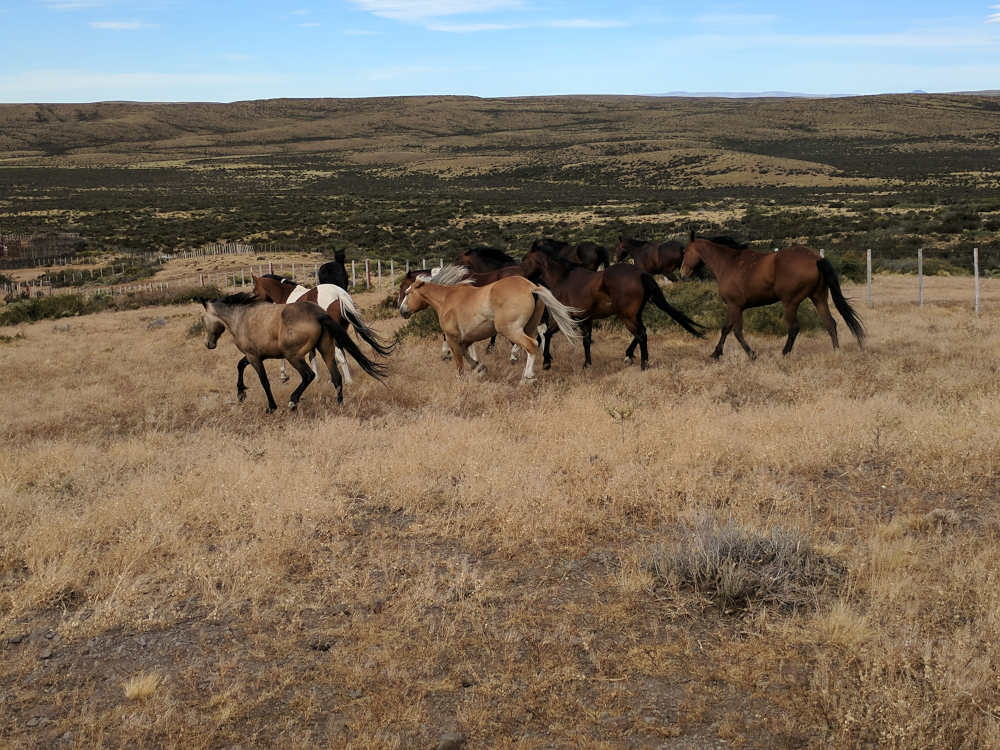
column 620, row 238
column 692, row 235
column 204, row 303
column 254, row 279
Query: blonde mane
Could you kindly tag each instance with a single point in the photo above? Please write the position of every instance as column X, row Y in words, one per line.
column 450, row 276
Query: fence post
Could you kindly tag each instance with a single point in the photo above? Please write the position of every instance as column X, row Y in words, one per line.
column 270, row 267
column 392, row 274
column 407, row 265
column 243, row 279
column 920, row 275
column 202, row 279
column 822, row 253
column 975, row 264
column 423, row 264
column 354, row 278
column 869, row 253
column 293, row 272
column 440, row 262
column 316, row 272
column 368, row 274
column 380, row 274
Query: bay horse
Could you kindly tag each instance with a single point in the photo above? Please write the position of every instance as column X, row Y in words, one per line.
column 265, row 331
column 751, row 279
column 512, row 306
column 590, row 255
column 334, row 272
column 621, row 290
column 652, row 257
column 484, row 259
column 332, row 298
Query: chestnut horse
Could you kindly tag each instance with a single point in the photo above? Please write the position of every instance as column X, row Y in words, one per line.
column 652, row 257
column 590, row 255
column 484, row 259
column 621, row 290
column 334, row 299
column 751, row 279
column 512, row 306
column 262, row 331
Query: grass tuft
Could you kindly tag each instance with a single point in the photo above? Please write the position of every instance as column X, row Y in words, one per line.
column 142, row 686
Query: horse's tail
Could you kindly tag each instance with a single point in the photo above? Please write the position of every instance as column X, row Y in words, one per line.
column 364, row 330
column 603, row 258
column 345, row 342
column 652, row 291
column 848, row 313
column 561, row 314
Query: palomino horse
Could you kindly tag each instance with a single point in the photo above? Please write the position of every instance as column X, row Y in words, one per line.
column 334, row 272
column 511, row 306
column 750, row 279
column 652, row 257
column 484, row 259
column 621, row 290
column 334, row 299
column 264, row 331
column 590, row 255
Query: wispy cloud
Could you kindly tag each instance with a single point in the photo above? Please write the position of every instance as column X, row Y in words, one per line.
column 417, row 11
column 73, row 4
column 735, row 19
column 993, row 17
column 586, row 23
column 359, row 32
column 122, row 25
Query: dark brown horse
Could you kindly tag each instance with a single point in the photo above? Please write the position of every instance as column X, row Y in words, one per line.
column 652, row 257
column 590, row 255
column 484, row 259
column 621, row 290
column 750, row 279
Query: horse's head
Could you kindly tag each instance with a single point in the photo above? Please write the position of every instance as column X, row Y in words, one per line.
column 621, row 250
column 214, row 327
column 532, row 264
column 339, row 256
column 407, row 282
column 411, row 299
column 691, row 260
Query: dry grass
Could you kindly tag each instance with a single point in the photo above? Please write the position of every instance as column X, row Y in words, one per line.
column 440, row 555
column 142, row 686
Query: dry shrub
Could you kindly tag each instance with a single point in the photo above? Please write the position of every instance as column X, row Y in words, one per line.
column 142, row 686
column 737, row 567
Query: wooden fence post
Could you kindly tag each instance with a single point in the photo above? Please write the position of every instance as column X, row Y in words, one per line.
column 920, row 275
column 869, row 253
column 380, row 274
column 975, row 265
column 368, row 274
column 354, row 277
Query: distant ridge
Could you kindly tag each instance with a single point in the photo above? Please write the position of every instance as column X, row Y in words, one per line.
column 751, row 95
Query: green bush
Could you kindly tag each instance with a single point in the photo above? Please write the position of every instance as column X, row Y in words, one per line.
column 68, row 305
column 423, row 324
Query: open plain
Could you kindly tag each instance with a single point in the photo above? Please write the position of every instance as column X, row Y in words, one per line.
column 794, row 552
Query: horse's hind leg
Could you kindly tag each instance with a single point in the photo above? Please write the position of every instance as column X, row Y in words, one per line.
column 330, row 352
column 258, row 365
column 792, row 321
column 284, row 373
column 638, row 330
column 822, row 303
column 551, row 331
column 587, row 329
column 303, row 368
column 446, row 351
column 470, row 355
column 338, row 353
column 493, row 342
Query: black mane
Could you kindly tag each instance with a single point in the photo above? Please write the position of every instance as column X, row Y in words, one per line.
column 554, row 254
column 550, row 244
column 726, row 241
column 240, row 298
column 275, row 277
column 493, row 253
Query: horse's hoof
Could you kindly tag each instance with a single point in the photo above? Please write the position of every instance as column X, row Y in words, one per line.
column 586, row 365
column 629, row 360
column 293, row 405
column 644, row 366
column 481, row 370
column 753, row 356
column 446, row 358
column 269, row 410
column 241, row 396
column 489, row 348
column 284, row 378
column 529, row 381
column 546, row 365
column 340, row 397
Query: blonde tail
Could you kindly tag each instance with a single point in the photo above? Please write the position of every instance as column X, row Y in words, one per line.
column 561, row 314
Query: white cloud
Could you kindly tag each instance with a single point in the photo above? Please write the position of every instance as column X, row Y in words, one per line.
column 73, row 4
column 416, row 11
column 467, row 28
column 585, row 23
column 359, row 32
column 122, row 25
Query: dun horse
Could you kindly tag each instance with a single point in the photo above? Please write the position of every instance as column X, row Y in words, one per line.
column 263, row 331
column 332, row 298
column 512, row 306
column 652, row 257
column 750, row 279
column 620, row 290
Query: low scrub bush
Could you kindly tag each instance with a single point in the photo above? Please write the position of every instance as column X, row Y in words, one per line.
column 70, row 305
column 423, row 324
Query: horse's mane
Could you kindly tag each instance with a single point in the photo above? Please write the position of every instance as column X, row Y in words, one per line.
column 450, row 276
column 548, row 243
column 726, row 241
column 554, row 254
column 493, row 253
column 240, row 298
column 275, row 277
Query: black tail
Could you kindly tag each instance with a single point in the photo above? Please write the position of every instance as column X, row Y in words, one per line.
column 848, row 313
column 652, row 291
column 345, row 342
column 367, row 334
column 603, row 258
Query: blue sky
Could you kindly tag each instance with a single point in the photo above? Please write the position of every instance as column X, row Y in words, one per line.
column 182, row 50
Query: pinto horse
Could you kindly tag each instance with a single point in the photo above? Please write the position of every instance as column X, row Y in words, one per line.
column 334, row 299
column 621, row 290
column 590, row 255
column 512, row 306
column 751, row 279
column 262, row 331
column 652, row 257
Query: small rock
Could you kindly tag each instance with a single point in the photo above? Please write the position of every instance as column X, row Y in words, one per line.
column 37, row 637
column 67, row 737
column 377, row 605
column 317, row 644
column 15, row 639
column 33, row 722
column 46, row 654
column 468, row 682
column 156, row 323
column 354, row 693
column 616, row 722
column 450, row 741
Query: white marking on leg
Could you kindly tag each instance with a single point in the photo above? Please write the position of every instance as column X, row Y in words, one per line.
column 515, row 352
column 284, row 375
column 529, row 370
column 338, row 354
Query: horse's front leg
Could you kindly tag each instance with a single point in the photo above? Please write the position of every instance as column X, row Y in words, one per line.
column 258, row 365
column 241, row 389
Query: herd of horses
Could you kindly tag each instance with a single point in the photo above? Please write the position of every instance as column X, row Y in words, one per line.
column 555, row 287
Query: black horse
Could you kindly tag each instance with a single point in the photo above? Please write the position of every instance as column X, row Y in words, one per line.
column 590, row 255
column 484, row 259
column 334, row 272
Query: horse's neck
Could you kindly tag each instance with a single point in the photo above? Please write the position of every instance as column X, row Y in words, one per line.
column 718, row 257
column 437, row 295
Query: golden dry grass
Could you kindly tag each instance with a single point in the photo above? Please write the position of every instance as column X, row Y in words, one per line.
column 440, row 555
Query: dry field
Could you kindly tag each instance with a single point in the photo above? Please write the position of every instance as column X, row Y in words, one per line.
column 793, row 552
